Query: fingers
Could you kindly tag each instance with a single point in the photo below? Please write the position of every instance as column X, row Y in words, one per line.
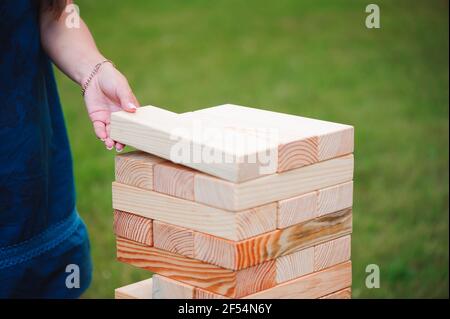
column 100, row 114
column 128, row 100
column 102, row 131
column 119, row 147
column 109, row 143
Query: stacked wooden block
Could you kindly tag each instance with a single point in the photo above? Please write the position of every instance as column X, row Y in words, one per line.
column 234, row 230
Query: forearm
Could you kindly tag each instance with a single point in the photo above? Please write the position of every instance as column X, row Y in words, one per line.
column 73, row 50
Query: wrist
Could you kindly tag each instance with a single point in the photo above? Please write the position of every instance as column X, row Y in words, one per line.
column 86, row 67
column 93, row 74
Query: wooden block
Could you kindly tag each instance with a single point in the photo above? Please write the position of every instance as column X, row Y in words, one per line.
column 303, row 141
column 172, row 133
column 234, row 197
column 312, row 259
column 297, row 209
column 178, row 181
column 239, row 255
column 190, row 271
column 300, row 141
column 133, row 227
column 255, row 278
column 173, row 238
column 331, row 283
column 138, row 290
column 166, row 288
column 217, row 251
column 297, row 288
column 297, row 154
column 332, row 252
column 188, row 214
column 341, row 294
column 311, row 286
column 334, row 198
column 336, row 144
column 294, row 265
column 136, row 169
column 144, row 290
column 174, row 180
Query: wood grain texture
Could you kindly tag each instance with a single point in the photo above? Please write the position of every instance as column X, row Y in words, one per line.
column 294, row 265
column 166, row 288
column 143, row 290
column 174, row 180
column 199, row 217
column 334, row 198
column 136, row 169
column 311, row 286
column 234, row 197
column 173, row 238
column 341, row 294
column 256, row 278
column 332, row 252
column 298, row 154
column 241, row 254
column 312, row 259
column 150, row 172
column 301, row 141
column 196, row 273
column 172, row 134
column 339, row 143
column 139, row 290
column 297, row 209
column 133, row 227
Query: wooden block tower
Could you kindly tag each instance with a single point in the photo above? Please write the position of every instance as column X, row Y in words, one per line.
column 262, row 210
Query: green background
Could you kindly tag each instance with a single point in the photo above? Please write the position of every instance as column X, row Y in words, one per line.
column 312, row 58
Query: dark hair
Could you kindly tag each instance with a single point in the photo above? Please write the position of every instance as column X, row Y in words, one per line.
column 56, row 7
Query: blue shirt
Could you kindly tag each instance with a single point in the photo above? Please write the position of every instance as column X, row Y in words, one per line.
column 40, row 230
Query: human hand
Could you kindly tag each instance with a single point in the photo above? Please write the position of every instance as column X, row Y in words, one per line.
column 108, row 92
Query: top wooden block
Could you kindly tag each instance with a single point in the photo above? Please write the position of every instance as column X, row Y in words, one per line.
column 235, row 143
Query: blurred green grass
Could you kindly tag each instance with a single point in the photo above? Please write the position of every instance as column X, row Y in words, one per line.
column 312, row 58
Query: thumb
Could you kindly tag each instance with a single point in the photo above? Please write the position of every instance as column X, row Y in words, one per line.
column 128, row 101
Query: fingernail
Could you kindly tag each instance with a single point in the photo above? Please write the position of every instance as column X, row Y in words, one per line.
column 132, row 106
column 118, row 150
column 109, row 148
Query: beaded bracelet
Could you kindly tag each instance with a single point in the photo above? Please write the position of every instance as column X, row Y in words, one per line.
column 91, row 76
